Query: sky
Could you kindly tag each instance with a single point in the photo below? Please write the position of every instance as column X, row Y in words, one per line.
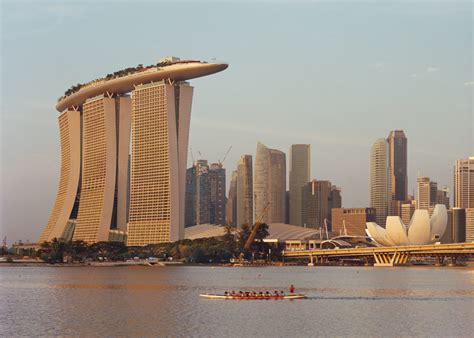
column 336, row 75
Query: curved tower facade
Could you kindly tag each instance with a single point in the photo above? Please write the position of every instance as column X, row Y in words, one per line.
column 107, row 183
column 270, row 184
column 70, row 139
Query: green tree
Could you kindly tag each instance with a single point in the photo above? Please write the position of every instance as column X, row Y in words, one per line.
column 79, row 250
column 53, row 252
column 109, row 250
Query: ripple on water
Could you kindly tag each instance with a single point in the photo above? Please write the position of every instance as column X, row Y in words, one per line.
column 145, row 301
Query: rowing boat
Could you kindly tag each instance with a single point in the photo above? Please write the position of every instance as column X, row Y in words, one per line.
column 211, row 296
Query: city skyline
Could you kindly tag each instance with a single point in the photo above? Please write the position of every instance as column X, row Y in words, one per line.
column 427, row 89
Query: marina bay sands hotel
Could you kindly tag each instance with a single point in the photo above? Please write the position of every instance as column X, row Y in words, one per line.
column 124, row 141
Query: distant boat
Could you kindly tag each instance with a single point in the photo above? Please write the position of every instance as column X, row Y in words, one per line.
column 256, row 297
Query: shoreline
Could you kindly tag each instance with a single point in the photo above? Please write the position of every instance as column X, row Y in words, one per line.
column 468, row 265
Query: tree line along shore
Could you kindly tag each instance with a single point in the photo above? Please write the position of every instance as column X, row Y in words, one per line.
column 225, row 249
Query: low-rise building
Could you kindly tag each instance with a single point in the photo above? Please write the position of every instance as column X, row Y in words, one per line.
column 351, row 221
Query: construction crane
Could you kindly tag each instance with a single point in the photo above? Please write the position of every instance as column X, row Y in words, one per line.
column 225, row 156
column 256, row 226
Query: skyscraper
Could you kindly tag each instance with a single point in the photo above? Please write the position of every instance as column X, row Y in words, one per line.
column 205, row 194
column 95, row 191
column 427, row 193
column 231, row 204
column 380, row 180
column 318, row 198
column 158, row 163
column 198, row 195
column 464, row 183
column 443, row 197
column 397, row 164
column 335, row 200
column 245, row 191
column 217, row 194
column 300, row 173
column 408, row 209
column 270, row 184
column 190, row 197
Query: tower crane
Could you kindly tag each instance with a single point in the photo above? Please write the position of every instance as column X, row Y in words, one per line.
column 225, row 156
column 256, row 226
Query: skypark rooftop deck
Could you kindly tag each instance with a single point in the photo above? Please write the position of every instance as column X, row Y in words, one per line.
column 175, row 71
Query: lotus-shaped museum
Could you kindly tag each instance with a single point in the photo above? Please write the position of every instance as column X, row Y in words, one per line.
column 422, row 229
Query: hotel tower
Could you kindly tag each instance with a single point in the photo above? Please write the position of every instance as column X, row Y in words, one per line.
column 124, row 141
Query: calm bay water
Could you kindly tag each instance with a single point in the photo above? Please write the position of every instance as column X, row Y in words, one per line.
column 164, row 301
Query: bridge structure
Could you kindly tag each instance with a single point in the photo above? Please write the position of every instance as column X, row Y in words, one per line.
column 388, row 256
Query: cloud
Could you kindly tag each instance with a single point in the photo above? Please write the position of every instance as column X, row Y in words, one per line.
column 431, row 69
column 469, row 83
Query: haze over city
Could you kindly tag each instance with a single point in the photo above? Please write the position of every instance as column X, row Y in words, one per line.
column 336, row 77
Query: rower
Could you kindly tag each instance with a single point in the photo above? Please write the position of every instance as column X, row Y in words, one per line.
column 292, row 288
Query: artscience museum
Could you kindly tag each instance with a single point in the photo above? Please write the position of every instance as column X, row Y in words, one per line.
column 422, row 229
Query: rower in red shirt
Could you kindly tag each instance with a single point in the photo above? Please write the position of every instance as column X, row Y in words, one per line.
column 292, row 289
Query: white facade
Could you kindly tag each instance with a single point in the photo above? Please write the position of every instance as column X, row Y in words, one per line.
column 422, row 229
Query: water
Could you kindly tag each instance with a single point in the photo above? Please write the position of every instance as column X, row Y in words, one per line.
column 164, row 301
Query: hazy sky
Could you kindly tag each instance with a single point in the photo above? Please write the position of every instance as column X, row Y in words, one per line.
column 335, row 75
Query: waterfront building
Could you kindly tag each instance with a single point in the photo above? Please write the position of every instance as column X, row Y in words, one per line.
column 244, row 191
column 99, row 189
column 397, row 164
column 464, row 183
column 231, row 204
column 270, row 184
column 422, row 229
column 470, row 225
column 300, row 173
column 427, row 193
column 352, row 221
column 380, row 180
column 287, row 207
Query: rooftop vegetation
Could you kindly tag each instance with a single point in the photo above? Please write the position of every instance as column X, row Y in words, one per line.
column 120, row 73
